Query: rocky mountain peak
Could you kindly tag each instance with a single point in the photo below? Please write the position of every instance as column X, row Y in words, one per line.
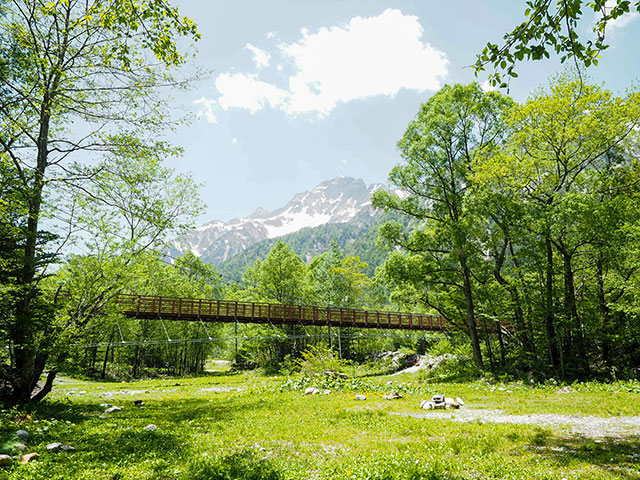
column 340, row 200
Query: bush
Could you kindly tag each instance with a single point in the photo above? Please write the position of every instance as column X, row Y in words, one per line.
column 317, row 359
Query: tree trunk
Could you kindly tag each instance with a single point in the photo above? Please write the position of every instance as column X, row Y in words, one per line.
column 605, row 312
column 572, row 310
column 549, row 319
column 106, row 357
column 471, row 317
column 528, row 336
column 26, row 374
column 503, row 351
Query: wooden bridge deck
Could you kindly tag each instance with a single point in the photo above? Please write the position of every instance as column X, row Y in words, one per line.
column 189, row 309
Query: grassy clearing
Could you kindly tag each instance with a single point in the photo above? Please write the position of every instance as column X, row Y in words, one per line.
column 225, row 426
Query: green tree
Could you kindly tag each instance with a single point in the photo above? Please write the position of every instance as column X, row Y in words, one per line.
column 282, row 276
column 78, row 79
column 339, row 281
column 439, row 147
column 557, row 165
column 552, row 27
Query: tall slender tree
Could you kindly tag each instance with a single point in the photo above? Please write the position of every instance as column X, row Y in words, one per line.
column 78, row 79
column 451, row 129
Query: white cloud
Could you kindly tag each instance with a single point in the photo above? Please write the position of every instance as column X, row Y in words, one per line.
column 622, row 21
column 367, row 57
column 270, row 34
column 246, row 91
column 260, row 57
column 206, row 109
column 234, row 141
column 487, row 87
column 619, row 23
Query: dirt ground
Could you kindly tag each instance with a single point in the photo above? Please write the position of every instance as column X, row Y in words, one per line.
column 586, row 426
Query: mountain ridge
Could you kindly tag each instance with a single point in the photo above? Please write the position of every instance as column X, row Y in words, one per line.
column 340, row 200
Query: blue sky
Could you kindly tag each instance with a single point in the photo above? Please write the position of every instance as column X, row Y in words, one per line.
column 303, row 91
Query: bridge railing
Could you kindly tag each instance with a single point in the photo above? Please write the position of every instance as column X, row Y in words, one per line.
column 225, row 310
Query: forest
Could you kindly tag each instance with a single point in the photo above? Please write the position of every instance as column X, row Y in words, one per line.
column 518, row 222
column 521, row 229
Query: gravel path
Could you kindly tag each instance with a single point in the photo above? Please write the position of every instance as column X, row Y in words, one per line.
column 587, row 426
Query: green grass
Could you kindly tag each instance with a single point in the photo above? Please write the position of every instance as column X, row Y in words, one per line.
column 249, row 427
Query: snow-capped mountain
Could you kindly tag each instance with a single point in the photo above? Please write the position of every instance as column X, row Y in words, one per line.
column 341, row 200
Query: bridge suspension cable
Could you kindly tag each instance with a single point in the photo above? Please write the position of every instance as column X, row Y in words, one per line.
column 133, row 343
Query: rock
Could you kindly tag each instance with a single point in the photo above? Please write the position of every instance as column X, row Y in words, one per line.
column 5, row 460
column 451, row 403
column 67, row 448
column 427, row 405
column 326, row 392
column 54, row 447
column 392, row 396
column 311, row 391
column 113, row 410
column 360, row 397
column 22, row 435
column 436, row 402
column 24, row 459
column 103, row 416
column 566, row 389
column 151, row 428
column 138, row 403
column 440, row 401
column 106, row 405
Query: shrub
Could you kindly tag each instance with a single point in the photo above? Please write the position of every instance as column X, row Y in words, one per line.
column 317, row 359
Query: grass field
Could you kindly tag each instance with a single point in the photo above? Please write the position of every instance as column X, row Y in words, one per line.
column 224, row 426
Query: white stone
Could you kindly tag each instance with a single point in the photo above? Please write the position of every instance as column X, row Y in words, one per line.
column 360, row 397
column 392, row 396
column 450, row 403
column 52, row 447
column 151, row 428
column 113, row 410
column 311, row 391
column 427, row 405
column 5, row 460
column 24, row 459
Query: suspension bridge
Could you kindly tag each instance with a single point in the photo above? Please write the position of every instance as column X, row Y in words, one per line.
column 197, row 310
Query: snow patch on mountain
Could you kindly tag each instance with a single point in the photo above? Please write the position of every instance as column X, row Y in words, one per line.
column 341, row 200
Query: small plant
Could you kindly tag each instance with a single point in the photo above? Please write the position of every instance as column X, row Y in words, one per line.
column 317, row 359
column 245, row 465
